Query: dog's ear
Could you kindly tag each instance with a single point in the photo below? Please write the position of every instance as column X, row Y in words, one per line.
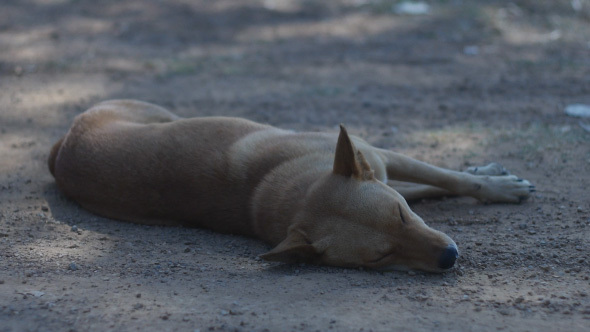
column 349, row 161
column 294, row 249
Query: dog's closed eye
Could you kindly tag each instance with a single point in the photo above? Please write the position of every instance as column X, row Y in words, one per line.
column 401, row 214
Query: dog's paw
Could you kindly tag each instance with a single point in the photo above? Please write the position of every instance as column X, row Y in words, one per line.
column 493, row 169
column 503, row 189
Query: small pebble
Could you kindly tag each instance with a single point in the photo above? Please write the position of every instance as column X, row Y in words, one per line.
column 471, row 50
column 72, row 266
column 37, row 293
column 74, row 228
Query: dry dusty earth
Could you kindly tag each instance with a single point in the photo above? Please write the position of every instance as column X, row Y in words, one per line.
column 469, row 83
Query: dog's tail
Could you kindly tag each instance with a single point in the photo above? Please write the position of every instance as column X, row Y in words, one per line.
column 53, row 156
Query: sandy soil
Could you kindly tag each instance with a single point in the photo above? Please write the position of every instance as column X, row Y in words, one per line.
column 469, row 83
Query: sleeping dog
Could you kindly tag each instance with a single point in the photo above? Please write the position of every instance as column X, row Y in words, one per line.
column 315, row 197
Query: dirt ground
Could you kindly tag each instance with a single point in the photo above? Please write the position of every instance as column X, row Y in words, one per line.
column 468, row 83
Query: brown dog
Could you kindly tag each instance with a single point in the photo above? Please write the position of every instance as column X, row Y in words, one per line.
column 316, row 197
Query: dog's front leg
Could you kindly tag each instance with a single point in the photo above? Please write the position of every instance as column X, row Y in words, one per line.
column 415, row 191
column 487, row 188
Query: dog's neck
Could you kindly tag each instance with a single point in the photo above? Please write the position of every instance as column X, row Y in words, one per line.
column 279, row 196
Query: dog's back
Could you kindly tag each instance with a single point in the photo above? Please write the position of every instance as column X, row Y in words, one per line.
column 173, row 172
column 132, row 161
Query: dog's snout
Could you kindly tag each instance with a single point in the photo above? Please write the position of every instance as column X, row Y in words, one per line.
column 448, row 257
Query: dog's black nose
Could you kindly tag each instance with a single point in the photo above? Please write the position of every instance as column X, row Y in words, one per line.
column 448, row 257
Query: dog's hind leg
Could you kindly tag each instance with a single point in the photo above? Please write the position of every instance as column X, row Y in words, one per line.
column 108, row 112
column 487, row 188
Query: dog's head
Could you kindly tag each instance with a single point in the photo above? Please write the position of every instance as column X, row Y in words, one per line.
column 352, row 220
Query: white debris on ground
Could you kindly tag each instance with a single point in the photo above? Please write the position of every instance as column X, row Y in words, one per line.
column 577, row 5
column 411, row 8
column 578, row 110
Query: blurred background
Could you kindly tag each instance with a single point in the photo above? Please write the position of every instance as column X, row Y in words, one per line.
column 455, row 83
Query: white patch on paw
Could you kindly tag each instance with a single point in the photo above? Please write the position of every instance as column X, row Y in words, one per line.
column 493, row 169
column 503, row 189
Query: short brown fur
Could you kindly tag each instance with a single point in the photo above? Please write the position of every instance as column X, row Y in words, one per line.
column 316, row 197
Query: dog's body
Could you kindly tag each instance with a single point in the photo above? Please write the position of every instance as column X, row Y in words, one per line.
column 317, row 197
